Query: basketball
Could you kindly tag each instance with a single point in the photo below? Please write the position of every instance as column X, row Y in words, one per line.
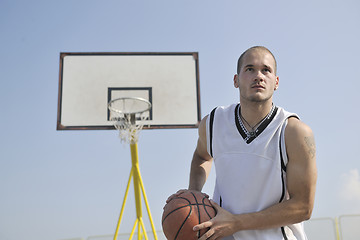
column 185, row 211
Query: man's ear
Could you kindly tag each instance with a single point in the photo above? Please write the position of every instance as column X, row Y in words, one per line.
column 276, row 83
column 236, row 81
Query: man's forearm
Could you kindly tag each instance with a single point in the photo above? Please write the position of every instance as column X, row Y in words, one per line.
column 281, row 214
column 200, row 169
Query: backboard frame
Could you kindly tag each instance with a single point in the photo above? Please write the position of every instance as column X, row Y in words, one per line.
column 61, row 126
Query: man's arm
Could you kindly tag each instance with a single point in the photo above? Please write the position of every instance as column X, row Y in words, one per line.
column 201, row 162
column 301, row 182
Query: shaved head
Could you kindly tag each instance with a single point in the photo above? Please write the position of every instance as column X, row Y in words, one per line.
column 255, row 48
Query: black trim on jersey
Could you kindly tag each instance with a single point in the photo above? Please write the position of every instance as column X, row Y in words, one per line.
column 283, row 233
column 259, row 130
column 237, row 123
column 211, row 130
column 283, row 168
column 283, row 187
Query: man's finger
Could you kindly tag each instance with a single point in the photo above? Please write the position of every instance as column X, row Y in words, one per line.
column 207, row 235
column 203, row 225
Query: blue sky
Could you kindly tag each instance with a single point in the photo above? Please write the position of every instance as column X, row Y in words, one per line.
column 63, row 184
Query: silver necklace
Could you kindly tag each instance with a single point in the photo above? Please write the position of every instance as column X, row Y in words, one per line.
column 254, row 129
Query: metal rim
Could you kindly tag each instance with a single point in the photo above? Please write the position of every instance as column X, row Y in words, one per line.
column 133, row 98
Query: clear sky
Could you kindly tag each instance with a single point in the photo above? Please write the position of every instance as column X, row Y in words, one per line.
column 63, row 184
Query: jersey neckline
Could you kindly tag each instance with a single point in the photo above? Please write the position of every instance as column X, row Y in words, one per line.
column 242, row 129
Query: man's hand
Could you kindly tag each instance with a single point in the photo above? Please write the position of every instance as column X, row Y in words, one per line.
column 222, row 225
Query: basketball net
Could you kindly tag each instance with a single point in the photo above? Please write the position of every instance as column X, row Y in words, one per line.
column 128, row 115
column 128, row 131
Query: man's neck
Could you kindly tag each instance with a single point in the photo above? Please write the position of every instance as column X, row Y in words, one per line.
column 254, row 112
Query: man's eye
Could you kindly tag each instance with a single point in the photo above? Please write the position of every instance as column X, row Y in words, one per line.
column 266, row 70
column 249, row 69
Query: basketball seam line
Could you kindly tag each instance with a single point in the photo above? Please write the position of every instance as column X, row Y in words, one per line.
column 189, row 205
column 199, row 217
column 197, row 204
column 183, row 223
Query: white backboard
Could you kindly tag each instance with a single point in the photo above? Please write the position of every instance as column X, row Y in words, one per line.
column 88, row 81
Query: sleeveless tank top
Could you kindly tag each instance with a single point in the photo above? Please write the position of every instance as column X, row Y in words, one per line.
column 250, row 168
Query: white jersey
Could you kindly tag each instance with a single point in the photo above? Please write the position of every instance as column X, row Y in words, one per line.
column 250, row 167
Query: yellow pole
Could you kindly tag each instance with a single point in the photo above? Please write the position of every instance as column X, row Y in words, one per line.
column 138, row 189
column 337, row 229
column 143, row 228
column 123, row 206
column 136, row 174
column 148, row 208
column 134, row 227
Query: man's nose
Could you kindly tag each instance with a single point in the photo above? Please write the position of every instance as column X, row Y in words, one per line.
column 259, row 76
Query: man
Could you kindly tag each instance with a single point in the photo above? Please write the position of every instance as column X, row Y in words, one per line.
column 264, row 159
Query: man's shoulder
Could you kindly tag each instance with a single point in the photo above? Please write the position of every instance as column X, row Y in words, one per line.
column 297, row 128
column 286, row 114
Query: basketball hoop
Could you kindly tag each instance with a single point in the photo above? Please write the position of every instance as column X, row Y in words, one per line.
column 129, row 114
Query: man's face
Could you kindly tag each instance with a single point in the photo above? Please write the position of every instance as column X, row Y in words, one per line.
column 257, row 79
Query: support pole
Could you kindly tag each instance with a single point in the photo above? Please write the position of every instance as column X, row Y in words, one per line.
column 123, row 206
column 138, row 189
column 136, row 174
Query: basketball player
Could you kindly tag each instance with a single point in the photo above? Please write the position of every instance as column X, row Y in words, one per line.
column 264, row 160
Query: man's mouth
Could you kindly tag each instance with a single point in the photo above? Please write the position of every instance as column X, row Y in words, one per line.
column 258, row 86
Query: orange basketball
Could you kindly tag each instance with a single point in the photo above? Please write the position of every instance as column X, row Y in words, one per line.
column 185, row 211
